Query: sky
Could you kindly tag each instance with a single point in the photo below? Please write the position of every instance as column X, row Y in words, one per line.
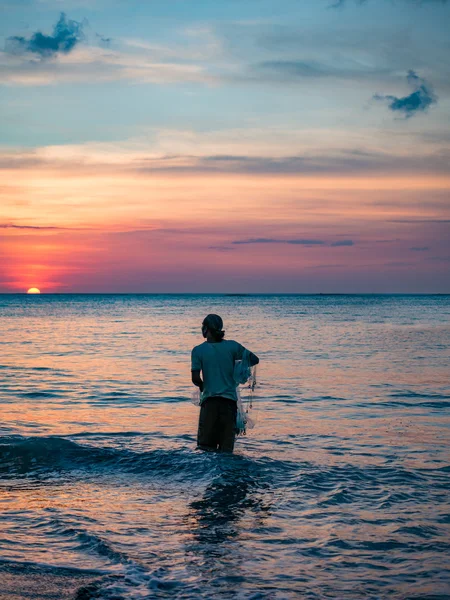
column 296, row 146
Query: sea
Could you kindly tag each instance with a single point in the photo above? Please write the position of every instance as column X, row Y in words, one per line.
column 341, row 490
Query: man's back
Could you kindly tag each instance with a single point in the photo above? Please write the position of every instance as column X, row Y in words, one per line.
column 216, row 361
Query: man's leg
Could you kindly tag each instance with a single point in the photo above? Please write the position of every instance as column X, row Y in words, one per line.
column 208, row 422
column 227, row 425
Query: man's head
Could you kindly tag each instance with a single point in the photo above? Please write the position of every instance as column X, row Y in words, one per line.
column 213, row 325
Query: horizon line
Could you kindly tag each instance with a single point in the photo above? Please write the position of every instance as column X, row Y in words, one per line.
column 236, row 294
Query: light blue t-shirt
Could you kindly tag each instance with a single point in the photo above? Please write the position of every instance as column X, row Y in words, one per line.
column 216, row 362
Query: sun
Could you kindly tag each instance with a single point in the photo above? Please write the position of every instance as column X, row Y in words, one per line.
column 34, row 291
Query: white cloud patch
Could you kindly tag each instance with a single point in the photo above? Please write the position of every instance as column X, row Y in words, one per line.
column 195, row 56
column 94, row 64
column 258, row 151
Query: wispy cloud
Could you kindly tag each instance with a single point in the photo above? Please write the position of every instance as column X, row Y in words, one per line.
column 398, row 263
column 301, row 242
column 221, row 248
column 419, row 100
column 103, row 39
column 61, row 57
column 32, row 227
column 420, row 248
column 420, row 221
column 343, row 243
column 335, row 266
column 340, row 3
column 295, row 241
column 67, row 33
column 298, row 70
column 443, row 259
column 189, row 151
column 97, row 64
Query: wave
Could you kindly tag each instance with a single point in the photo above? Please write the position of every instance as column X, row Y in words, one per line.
column 50, row 455
column 132, row 580
column 289, row 399
column 41, row 394
column 20, row 455
column 419, row 395
column 427, row 404
column 24, row 580
column 411, row 399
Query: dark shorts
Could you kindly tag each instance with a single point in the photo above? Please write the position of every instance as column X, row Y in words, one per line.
column 217, row 424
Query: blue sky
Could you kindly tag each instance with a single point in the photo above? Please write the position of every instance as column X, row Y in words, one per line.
column 349, row 101
column 234, row 65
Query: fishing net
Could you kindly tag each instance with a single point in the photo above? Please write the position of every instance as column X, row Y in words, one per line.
column 195, row 397
column 245, row 378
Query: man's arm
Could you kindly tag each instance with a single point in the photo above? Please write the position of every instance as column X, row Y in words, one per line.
column 240, row 350
column 197, row 380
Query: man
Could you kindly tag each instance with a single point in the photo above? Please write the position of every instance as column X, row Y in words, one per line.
column 215, row 359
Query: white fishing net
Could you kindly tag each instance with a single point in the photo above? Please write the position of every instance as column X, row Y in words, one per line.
column 245, row 378
column 195, row 397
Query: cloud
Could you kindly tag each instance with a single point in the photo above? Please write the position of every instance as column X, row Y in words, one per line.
column 398, row 263
column 305, row 242
column 420, row 248
column 103, row 39
column 418, row 101
column 296, row 68
column 296, row 242
column 300, row 242
column 333, row 266
column 288, row 71
column 66, row 35
column 419, row 221
column 258, row 241
column 343, row 243
column 221, row 248
column 246, row 150
column 439, row 258
column 340, row 3
column 61, row 58
column 33, row 227
column 97, row 64
column 98, row 157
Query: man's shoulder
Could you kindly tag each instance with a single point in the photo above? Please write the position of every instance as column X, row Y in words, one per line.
column 233, row 343
column 199, row 348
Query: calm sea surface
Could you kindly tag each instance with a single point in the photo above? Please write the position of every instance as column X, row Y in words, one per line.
column 341, row 490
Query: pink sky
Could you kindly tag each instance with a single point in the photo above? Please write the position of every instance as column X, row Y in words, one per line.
column 106, row 226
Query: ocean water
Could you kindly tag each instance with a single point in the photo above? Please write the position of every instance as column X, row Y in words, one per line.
column 340, row 491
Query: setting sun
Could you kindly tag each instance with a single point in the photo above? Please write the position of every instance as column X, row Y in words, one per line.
column 34, row 291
